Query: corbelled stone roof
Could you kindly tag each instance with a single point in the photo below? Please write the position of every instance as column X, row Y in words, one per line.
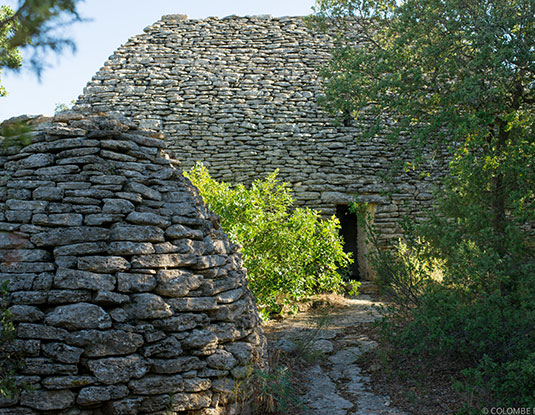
column 240, row 94
column 127, row 296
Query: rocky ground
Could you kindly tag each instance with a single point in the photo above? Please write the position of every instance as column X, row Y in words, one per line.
column 328, row 338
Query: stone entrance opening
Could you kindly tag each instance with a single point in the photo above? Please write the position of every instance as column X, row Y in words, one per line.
column 350, row 232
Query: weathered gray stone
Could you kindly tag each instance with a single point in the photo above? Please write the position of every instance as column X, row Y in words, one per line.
column 50, row 193
column 98, row 343
column 110, row 298
column 155, row 384
column 149, row 306
column 193, row 304
column 113, row 370
column 147, row 218
column 58, row 219
column 25, row 313
column 47, row 400
column 182, row 322
column 67, row 382
column 231, row 296
column 43, row 366
column 79, row 316
column 242, row 351
column 103, row 264
column 62, row 352
column 137, row 233
column 75, row 279
column 93, row 395
column 24, row 255
column 143, row 190
column 14, row 240
column 176, row 283
column 59, row 237
column 134, row 282
column 81, row 249
column 36, row 331
column 117, row 206
column 221, row 360
column 180, row 231
column 197, row 384
column 191, row 401
column 200, row 339
column 130, row 248
column 176, row 365
column 163, row 261
column 209, row 261
column 68, row 296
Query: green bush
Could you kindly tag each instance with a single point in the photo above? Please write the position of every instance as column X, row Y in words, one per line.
column 9, row 361
column 484, row 326
column 289, row 253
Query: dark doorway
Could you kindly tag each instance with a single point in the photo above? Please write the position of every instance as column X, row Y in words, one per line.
column 349, row 231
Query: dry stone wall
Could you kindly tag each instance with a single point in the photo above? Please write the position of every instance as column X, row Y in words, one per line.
column 240, row 95
column 127, row 296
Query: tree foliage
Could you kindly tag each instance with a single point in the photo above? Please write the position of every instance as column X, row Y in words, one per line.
column 459, row 74
column 290, row 253
column 34, row 24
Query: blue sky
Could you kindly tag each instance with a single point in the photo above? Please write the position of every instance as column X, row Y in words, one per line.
column 113, row 22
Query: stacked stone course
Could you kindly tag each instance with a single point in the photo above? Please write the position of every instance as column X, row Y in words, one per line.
column 127, row 296
column 240, row 94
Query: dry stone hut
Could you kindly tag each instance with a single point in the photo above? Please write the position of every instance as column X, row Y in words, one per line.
column 240, row 95
column 127, row 296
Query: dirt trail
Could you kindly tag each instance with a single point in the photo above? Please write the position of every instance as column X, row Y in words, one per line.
column 335, row 384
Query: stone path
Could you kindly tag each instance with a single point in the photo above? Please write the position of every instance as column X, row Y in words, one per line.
column 336, row 385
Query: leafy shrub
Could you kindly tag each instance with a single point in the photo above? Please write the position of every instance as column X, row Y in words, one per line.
column 486, row 327
column 9, row 360
column 289, row 253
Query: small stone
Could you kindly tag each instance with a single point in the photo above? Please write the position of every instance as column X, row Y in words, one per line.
column 49, row 193
column 176, row 365
column 143, row 190
column 193, row 303
column 180, row 231
column 131, row 282
column 182, row 322
column 79, row 316
column 120, row 206
column 62, row 352
column 103, row 264
column 111, row 298
column 58, row 219
column 36, row 331
column 191, row 401
column 209, row 261
column 87, row 248
column 76, row 279
column 221, row 359
column 163, row 261
column 113, row 370
column 25, row 313
column 149, row 306
column 98, row 343
column 176, row 283
column 197, row 384
column 169, row 347
column 44, row 400
column 137, row 233
column 156, row 384
column 147, row 218
column 59, row 237
column 68, row 382
column 130, row 248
